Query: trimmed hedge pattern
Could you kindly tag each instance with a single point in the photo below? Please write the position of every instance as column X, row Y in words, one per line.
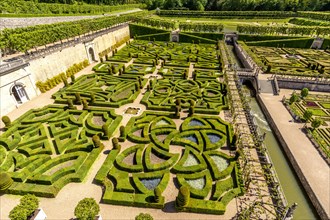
column 47, row 148
column 134, row 173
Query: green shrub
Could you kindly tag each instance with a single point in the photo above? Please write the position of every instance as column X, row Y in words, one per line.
column 123, row 135
column 18, row 213
column 183, row 197
column 87, row 209
column 144, row 216
column 5, row 181
column 6, row 120
column 78, row 98
column 115, row 143
column 97, row 142
column 158, row 194
column 28, row 204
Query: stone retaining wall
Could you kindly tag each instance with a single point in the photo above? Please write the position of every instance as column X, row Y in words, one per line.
column 43, row 68
column 322, row 213
column 312, row 86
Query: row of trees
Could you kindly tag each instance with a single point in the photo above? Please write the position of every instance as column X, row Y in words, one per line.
column 86, row 209
column 280, row 30
column 32, row 7
column 242, row 5
column 308, row 22
column 324, row 16
column 201, row 27
column 157, row 23
column 24, row 39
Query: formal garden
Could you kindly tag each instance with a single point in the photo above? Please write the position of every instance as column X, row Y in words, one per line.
column 156, row 152
column 281, row 60
column 314, row 111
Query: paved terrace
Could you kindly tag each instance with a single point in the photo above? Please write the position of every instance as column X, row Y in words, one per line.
column 314, row 168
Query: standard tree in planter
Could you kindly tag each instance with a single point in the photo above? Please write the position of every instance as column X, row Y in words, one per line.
column 317, row 122
column 307, row 115
column 87, row 209
column 28, row 204
column 294, row 97
column 304, row 92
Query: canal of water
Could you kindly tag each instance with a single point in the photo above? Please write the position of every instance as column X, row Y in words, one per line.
column 293, row 190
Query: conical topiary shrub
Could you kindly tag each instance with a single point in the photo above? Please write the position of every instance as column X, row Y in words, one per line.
column 183, row 197
column 5, row 181
column 6, row 120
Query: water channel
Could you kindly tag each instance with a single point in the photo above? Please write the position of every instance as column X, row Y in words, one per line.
column 293, row 190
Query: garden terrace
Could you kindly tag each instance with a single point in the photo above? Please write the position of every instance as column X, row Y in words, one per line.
column 208, row 96
column 47, row 148
column 102, row 89
column 155, row 153
column 319, row 105
column 292, row 61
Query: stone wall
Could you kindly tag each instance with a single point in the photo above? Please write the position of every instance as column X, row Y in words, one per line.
column 322, row 213
column 51, row 65
column 312, row 86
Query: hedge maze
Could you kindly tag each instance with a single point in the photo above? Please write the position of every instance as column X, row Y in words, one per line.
column 47, row 148
column 292, row 61
column 139, row 174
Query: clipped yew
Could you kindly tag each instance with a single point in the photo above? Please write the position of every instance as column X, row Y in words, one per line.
column 106, row 132
column 6, row 120
column 73, row 79
column 87, row 209
column 183, row 197
column 158, row 194
column 115, row 143
column 78, row 98
column 5, row 181
column 122, row 137
column 70, row 104
column 85, row 104
column 96, row 141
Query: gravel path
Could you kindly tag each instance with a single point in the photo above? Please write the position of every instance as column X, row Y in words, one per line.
column 32, row 21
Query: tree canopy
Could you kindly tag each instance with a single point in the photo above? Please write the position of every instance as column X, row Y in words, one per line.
column 241, row 5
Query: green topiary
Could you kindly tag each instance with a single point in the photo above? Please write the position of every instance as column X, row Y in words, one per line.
column 92, row 98
column 158, row 194
column 70, row 104
column 115, row 143
column 106, row 132
column 6, row 120
column 87, row 209
column 85, row 104
column 5, row 181
column 73, row 79
column 122, row 137
column 18, row 213
column 30, row 203
column 78, row 98
column 96, row 140
column 144, row 216
column 183, row 197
